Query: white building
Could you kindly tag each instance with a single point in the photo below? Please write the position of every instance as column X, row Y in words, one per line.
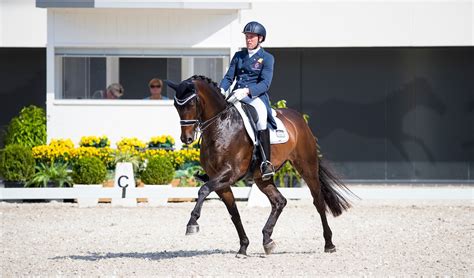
column 328, row 54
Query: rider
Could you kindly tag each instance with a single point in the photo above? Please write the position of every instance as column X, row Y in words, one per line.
column 253, row 70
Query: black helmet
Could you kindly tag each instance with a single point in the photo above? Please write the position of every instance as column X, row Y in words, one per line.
column 257, row 28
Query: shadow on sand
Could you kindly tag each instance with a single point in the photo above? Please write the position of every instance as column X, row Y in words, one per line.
column 164, row 255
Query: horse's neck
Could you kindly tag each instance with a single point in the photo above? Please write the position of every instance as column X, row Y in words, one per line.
column 213, row 105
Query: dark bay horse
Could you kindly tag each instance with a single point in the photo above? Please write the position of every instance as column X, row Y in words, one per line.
column 226, row 154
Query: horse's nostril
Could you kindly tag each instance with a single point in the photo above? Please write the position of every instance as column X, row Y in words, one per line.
column 190, row 140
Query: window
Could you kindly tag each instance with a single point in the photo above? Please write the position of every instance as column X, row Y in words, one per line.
column 83, row 74
column 83, row 77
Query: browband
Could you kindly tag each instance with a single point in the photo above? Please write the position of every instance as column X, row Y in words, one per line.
column 183, row 101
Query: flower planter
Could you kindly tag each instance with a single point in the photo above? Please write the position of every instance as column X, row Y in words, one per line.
column 87, row 202
column 13, row 184
column 158, row 201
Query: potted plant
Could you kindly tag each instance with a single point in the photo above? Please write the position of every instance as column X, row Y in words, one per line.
column 94, row 141
column 28, row 128
column 17, row 165
column 159, row 171
column 88, row 172
column 184, row 177
column 129, row 156
column 51, row 175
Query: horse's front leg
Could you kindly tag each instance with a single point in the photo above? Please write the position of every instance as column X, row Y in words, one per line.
column 228, row 198
column 206, row 189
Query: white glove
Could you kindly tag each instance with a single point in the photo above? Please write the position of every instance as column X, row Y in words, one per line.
column 241, row 93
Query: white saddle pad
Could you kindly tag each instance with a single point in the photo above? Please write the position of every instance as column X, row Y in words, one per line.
column 277, row 136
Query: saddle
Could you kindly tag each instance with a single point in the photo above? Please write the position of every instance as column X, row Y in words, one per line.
column 250, row 117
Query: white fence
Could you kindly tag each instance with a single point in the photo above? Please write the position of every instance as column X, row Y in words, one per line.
column 364, row 192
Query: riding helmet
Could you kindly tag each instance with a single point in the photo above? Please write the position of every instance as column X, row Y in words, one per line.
column 257, row 28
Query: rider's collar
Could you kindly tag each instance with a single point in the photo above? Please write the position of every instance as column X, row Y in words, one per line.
column 253, row 51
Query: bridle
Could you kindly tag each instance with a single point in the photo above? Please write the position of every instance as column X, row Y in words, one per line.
column 181, row 102
column 198, row 125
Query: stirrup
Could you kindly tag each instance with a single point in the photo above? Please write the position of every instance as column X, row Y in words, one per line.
column 268, row 175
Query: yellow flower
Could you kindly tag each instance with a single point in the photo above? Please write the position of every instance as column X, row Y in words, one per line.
column 129, row 143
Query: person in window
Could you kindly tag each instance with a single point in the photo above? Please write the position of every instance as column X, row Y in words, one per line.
column 252, row 68
column 113, row 91
column 155, row 86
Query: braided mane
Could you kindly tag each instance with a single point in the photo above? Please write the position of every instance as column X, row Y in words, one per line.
column 206, row 79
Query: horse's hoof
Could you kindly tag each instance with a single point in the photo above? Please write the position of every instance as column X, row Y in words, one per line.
column 241, row 256
column 330, row 249
column 269, row 247
column 192, row 229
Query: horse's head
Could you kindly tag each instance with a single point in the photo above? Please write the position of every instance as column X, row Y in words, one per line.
column 197, row 100
column 185, row 101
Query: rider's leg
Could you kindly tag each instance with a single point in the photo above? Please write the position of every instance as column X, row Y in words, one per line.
column 263, row 136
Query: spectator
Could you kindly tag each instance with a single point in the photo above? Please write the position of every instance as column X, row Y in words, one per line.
column 155, row 86
column 113, row 91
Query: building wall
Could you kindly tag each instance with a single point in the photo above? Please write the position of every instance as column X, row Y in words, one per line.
column 116, row 119
column 387, row 114
column 365, row 23
column 290, row 24
column 143, row 28
column 22, row 24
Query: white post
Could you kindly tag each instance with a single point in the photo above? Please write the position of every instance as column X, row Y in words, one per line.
column 50, row 72
column 125, row 181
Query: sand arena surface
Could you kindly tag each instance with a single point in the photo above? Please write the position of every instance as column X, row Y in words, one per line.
column 373, row 238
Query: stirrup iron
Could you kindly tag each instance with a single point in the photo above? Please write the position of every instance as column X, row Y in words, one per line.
column 269, row 175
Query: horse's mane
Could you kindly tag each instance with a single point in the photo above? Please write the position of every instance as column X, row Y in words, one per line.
column 207, row 80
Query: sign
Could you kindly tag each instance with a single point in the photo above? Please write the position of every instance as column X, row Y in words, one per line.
column 125, row 181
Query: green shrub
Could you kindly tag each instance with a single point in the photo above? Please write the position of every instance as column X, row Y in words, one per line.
column 159, row 170
column 89, row 170
column 17, row 163
column 28, row 128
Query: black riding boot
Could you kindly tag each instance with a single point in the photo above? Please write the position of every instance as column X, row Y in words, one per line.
column 266, row 167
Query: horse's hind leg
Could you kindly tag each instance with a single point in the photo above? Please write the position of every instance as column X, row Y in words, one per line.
column 307, row 165
column 278, row 202
column 228, row 198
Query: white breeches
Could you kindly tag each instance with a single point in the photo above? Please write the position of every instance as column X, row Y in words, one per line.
column 261, row 111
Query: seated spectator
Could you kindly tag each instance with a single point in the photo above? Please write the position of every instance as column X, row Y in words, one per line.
column 114, row 91
column 155, row 86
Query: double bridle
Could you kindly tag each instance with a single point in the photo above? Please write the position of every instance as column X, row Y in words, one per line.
column 198, row 125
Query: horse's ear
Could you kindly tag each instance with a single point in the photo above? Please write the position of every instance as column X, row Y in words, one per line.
column 171, row 84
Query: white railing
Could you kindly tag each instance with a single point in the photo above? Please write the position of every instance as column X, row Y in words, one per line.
column 364, row 192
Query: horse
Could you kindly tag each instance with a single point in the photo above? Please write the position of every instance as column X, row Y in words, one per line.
column 226, row 156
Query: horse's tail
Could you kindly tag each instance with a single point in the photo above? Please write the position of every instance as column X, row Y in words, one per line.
column 335, row 201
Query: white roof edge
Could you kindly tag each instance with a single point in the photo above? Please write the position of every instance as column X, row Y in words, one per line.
column 210, row 5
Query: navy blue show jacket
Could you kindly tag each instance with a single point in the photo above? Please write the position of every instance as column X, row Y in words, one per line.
column 254, row 73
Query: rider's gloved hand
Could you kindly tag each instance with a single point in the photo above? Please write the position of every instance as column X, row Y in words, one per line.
column 241, row 93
